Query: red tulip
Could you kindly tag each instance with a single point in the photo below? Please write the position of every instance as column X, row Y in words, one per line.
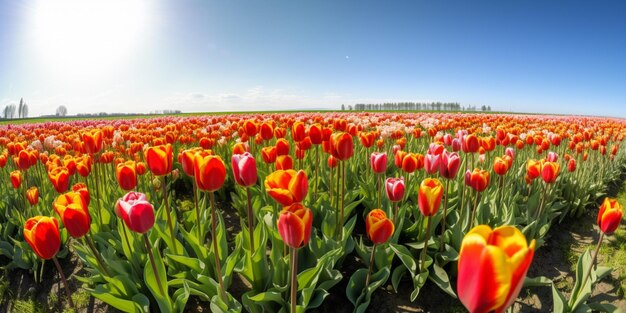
column 378, row 162
column 533, row 169
column 126, row 175
column 93, row 141
column 479, row 180
column 550, row 171
column 159, row 159
column 73, row 213
column 429, row 196
column 294, row 225
column 284, row 162
column 209, row 172
column 32, row 194
column 244, row 169
column 449, row 165
column 571, row 165
column 136, row 211
column 610, row 215
column 287, row 186
column 342, row 146
column 378, row 227
column 268, row 154
column 492, row 268
column 16, row 179
column 60, row 178
column 500, row 166
column 42, row 235
column 395, row 189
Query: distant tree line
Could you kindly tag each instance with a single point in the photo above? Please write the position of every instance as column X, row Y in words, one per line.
column 10, row 110
column 414, row 106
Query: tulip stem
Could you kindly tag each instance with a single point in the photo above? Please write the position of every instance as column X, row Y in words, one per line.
column 395, row 213
column 317, row 162
column 95, row 167
column 195, row 202
column 423, row 254
column 169, row 213
column 343, row 196
column 337, row 196
column 474, row 210
column 294, row 278
column 96, row 254
column 153, row 263
column 250, row 221
column 445, row 209
column 378, row 189
column 218, row 267
column 64, row 280
column 371, row 266
column 593, row 261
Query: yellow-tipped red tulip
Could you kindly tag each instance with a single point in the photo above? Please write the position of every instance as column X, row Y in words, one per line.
column 42, row 234
column 60, row 178
column 378, row 227
column 287, row 186
column 126, row 174
column 533, row 169
column 93, row 141
column 500, row 166
column 160, row 159
column 492, row 267
column 610, row 215
column 32, row 194
column 209, row 172
column 294, row 225
column 74, row 214
column 16, row 179
column 550, row 171
column 429, row 196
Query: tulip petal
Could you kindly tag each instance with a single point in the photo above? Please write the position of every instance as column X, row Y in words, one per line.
column 291, row 229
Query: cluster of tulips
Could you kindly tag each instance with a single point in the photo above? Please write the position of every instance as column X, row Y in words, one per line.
column 468, row 196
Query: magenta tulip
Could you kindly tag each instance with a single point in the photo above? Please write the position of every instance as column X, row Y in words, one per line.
column 379, row 162
column 395, row 188
column 432, row 163
column 244, row 169
column 449, row 165
column 136, row 211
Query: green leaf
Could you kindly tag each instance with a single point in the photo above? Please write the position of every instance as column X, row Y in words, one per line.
column 405, row 256
column 540, row 281
column 559, row 303
column 163, row 299
column 440, row 278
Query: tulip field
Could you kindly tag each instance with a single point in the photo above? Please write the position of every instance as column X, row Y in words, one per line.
column 166, row 214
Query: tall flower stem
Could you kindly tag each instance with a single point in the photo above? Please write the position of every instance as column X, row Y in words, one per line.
column 67, row 287
column 195, row 202
column 378, row 189
column 471, row 223
column 423, row 254
column 87, row 239
column 445, row 210
column 395, row 213
column 593, row 261
column 250, row 220
column 153, row 263
column 95, row 167
column 371, row 266
column 168, row 211
column 218, row 267
column 294, row 278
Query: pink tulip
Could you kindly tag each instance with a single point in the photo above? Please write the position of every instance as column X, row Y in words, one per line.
column 468, row 178
column 449, row 164
column 244, row 169
column 431, row 163
column 435, row 149
column 395, row 149
column 395, row 189
column 447, row 139
column 552, row 156
column 136, row 211
column 456, row 144
column 510, row 152
column 379, row 162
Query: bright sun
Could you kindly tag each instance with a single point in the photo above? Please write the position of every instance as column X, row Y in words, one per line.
column 87, row 37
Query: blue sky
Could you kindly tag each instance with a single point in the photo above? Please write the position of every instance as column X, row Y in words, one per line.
column 526, row 56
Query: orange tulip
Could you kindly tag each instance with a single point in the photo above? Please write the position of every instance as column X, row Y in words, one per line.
column 429, row 196
column 42, row 234
column 268, row 154
column 610, row 215
column 73, row 212
column 298, row 131
column 412, row 162
column 378, row 227
column 185, row 158
column 126, row 175
column 32, row 194
column 284, row 162
column 287, row 186
column 282, row 146
column 209, row 172
column 81, row 188
column 294, row 225
column 492, row 267
column 60, row 178
column 16, row 179
column 159, row 159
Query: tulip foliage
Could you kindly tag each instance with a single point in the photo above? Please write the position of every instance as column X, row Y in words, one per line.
column 161, row 210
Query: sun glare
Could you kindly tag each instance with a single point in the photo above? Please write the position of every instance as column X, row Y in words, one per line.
column 87, row 37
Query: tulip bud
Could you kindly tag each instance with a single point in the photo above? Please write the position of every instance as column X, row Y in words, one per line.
column 284, row 162
column 136, row 212
column 244, row 169
column 294, row 225
column 16, row 179
column 42, row 235
column 510, row 152
column 571, row 165
column 378, row 162
column 209, row 172
column 378, row 227
column 287, row 186
column 550, row 171
column 395, row 189
column 32, row 194
column 126, row 175
column 610, row 215
column 342, row 146
column 73, row 213
column 432, row 163
column 500, row 166
column 456, row 144
column 552, row 157
column 60, row 178
column 332, row 161
column 429, row 196
column 479, row 179
column 449, row 165
column 533, row 169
